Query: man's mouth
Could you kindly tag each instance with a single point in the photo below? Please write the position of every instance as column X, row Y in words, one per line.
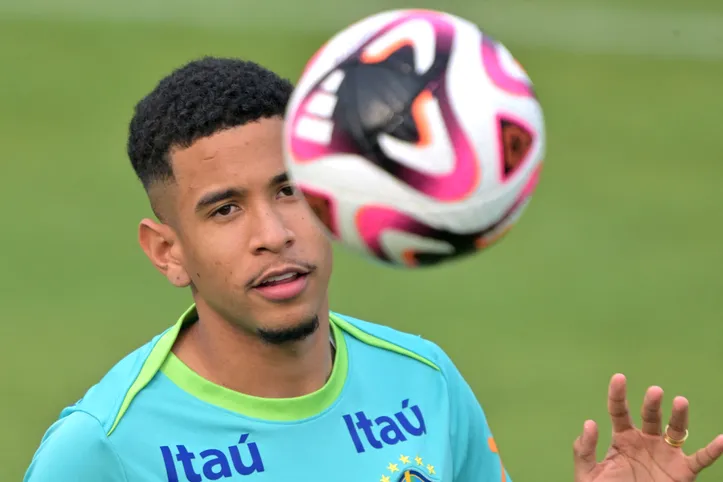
column 283, row 284
column 281, row 278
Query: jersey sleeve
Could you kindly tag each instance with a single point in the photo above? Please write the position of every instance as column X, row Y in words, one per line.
column 475, row 453
column 75, row 448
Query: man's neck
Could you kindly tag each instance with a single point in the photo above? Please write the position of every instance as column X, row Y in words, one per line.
column 236, row 359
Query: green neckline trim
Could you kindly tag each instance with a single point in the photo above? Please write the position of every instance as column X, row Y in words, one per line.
column 153, row 363
column 372, row 340
column 161, row 358
column 271, row 409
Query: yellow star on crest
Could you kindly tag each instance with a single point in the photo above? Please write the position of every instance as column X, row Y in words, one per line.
column 418, row 459
column 385, row 478
column 404, row 459
column 392, row 467
column 430, row 468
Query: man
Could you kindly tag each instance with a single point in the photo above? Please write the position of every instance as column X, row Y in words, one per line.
column 258, row 380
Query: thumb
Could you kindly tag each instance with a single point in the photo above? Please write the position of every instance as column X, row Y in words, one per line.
column 584, row 450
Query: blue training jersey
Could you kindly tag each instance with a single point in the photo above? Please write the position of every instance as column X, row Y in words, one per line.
column 395, row 409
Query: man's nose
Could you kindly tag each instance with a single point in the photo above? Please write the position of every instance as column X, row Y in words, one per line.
column 270, row 232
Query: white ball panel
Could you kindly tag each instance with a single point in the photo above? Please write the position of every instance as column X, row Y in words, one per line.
column 333, row 81
column 436, row 158
column 471, row 102
column 315, row 130
column 477, row 103
column 322, row 104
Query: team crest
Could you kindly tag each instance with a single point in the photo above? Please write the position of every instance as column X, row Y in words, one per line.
column 407, row 469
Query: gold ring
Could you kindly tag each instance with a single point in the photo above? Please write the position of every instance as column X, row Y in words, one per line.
column 671, row 441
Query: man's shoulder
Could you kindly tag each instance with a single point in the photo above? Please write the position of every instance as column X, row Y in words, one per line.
column 383, row 337
column 104, row 401
column 78, row 430
column 75, row 447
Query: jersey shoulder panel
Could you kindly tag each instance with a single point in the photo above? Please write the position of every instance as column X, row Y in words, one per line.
column 104, row 400
column 387, row 338
column 75, row 448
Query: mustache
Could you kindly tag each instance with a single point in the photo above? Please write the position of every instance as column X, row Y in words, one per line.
column 303, row 265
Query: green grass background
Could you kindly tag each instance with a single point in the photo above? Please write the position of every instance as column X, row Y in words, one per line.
column 616, row 266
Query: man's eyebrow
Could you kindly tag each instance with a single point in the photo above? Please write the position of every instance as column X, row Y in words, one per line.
column 279, row 179
column 214, row 197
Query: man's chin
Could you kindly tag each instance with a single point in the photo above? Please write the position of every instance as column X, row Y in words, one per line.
column 289, row 333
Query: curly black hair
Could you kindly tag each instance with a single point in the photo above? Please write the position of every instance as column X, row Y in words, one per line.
column 197, row 100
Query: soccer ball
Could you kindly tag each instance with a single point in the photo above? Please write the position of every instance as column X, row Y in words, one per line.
column 415, row 137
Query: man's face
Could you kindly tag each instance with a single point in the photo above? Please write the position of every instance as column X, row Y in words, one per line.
column 248, row 242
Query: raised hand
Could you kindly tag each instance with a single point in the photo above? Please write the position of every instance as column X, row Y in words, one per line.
column 652, row 453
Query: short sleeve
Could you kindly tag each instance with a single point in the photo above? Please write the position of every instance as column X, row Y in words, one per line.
column 475, row 452
column 75, row 448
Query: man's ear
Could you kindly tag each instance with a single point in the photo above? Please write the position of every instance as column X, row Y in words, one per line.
column 162, row 247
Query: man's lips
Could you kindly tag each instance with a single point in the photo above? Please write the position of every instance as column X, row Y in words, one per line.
column 280, row 274
column 282, row 284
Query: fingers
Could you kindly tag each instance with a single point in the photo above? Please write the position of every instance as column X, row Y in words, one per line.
column 678, row 423
column 652, row 413
column 584, row 449
column 705, row 457
column 618, row 404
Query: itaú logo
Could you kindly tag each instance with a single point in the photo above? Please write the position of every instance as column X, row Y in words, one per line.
column 185, row 465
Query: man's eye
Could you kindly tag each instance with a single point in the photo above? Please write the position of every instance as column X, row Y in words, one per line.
column 225, row 210
column 287, row 191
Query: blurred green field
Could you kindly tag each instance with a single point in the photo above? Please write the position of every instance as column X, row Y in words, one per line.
column 616, row 266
